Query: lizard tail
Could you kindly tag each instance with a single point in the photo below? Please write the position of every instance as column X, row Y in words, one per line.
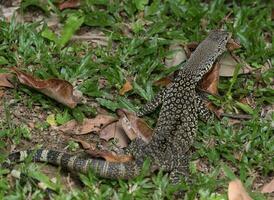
column 76, row 164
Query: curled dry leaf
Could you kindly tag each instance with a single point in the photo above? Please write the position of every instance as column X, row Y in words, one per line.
column 211, row 79
column 269, row 187
column 232, row 45
column 134, row 126
column 110, row 156
column 88, row 125
column 59, row 90
column 115, row 131
column 4, row 80
column 85, row 145
column 177, row 57
column 126, row 88
column 236, row 191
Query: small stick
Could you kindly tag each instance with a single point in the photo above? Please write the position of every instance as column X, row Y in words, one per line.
column 233, row 116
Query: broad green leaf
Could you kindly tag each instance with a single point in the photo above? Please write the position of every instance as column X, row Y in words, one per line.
column 3, row 60
column 140, row 4
column 228, row 172
column 72, row 24
column 98, row 18
column 245, row 107
column 50, row 35
column 42, row 4
column 111, row 105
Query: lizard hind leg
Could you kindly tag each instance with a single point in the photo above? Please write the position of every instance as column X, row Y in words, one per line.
column 152, row 105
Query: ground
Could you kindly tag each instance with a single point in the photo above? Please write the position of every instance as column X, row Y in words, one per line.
column 98, row 47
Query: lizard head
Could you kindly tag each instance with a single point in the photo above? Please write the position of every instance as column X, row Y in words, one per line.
column 207, row 52
column 220, row 39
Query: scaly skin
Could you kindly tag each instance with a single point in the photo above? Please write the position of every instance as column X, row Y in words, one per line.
column 176, row 127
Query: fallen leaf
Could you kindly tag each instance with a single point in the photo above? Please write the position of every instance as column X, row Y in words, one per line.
column 59, row 90
column 236, row 191
column 69, row 4
column 88, row 125
column 177, row 57
column 9, row 12
column 51, row 120
column 134, row 126
column 164, row 81
column 115, row 131
column 228, row 64
column 85, row 145
column 126, row 88
column 1, row 94
column 211, row 79
column 4, row 80
column 269, row 187
column 110, row 156
column 190, row 47
column 232, row 45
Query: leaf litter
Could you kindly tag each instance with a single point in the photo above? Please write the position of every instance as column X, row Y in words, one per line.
column 60, row 90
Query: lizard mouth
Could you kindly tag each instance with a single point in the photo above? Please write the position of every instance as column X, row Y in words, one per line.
column 232, row 44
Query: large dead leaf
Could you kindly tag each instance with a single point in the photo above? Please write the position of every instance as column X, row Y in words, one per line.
column 269, row 187
column 228, row 64
column 88, row 125
column 110, row 156
column 126, row 88
column 236, row 191
column 211, row 79
column 177, row 57
column 59, row 90
column 134, row 126
column 4, row 80
column 115, row 131
column 127, row 128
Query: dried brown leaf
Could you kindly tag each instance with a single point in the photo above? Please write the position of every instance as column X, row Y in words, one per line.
column 59, row 90
column 236, row 191
column 88, row 125
column 134, row 126
column 110, row 156
column 190, row 47
column 228, row 64
column 126, row 88
column 4, row 80
column 177, row 57
column 232, row 45
column 115, row 131
column 269, row 187
column 69, row 4
column 211, row 79
column 1, row 95
column 85, row 145
column 164, row 81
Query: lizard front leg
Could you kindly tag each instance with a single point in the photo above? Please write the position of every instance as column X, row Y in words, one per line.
column 204, row 113
column 152, row 105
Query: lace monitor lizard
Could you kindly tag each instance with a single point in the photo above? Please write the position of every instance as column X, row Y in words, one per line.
column 175, row 130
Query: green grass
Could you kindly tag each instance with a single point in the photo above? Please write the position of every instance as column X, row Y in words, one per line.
column 140, row 56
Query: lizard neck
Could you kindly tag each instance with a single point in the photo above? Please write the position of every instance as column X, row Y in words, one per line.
column 200, row 61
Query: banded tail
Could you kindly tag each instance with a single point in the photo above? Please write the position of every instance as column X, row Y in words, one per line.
column 77, row 164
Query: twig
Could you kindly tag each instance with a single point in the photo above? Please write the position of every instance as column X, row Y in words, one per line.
column 235, row 116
